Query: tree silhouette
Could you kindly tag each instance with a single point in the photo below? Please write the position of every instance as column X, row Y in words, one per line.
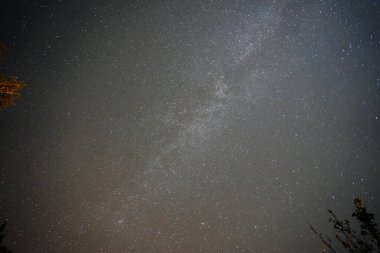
column 10, row 87
column 367, row 240
column 3, row 249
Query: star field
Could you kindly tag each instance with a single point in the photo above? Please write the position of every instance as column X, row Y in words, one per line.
column 187, row 126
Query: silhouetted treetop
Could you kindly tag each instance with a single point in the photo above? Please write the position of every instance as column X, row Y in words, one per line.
column 10, row 86
column 367, row 240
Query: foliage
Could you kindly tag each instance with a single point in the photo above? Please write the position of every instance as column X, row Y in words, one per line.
column 367, row 240
column 10, row 87
column 3, row 249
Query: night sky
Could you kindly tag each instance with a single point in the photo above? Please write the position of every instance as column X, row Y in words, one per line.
column 187, row 126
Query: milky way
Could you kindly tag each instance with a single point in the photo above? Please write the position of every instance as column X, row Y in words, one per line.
column 188, row 126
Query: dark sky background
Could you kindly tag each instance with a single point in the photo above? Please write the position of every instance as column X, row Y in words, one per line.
column 188, row 126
